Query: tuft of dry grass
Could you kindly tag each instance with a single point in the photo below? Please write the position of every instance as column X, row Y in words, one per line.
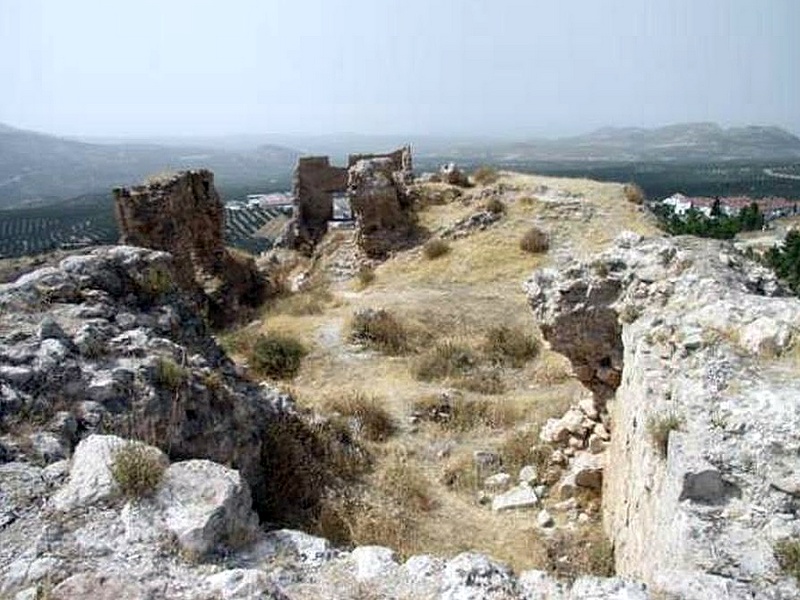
column 170, row 374
column 521, row 448
column 659, row 427
column 787, row 553
column 535, row 241
column 507, row 346
column 485, row 175
column 313, row 301
column 633, row 193
column 583, row 552
column 137, row 469
column 464, row 414
column 460, row 474
column 445, row 359
column 365, row 276
column 482, row 381
column 495, row 206
column 370, row 417
column 435, row 248
column 380, row 330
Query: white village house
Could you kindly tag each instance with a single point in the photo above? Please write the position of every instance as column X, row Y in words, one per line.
column 771, row 208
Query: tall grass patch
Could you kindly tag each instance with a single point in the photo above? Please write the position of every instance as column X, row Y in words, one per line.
column 380, row 330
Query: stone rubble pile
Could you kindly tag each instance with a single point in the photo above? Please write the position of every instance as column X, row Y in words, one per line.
column 195, row 537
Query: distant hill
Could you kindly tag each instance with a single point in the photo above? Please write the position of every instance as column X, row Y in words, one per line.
column 38, row 169
column 688, row 142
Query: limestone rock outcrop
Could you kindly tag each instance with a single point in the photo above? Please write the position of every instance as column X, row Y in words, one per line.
column 107, row 342
column 182, row 214
column 687, row 345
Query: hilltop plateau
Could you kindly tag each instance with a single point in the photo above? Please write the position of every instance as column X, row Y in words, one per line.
column 513, row 402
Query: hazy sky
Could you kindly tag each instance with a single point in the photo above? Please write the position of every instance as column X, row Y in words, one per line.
column 518, row 67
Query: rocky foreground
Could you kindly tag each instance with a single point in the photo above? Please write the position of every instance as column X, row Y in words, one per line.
column 684, row 345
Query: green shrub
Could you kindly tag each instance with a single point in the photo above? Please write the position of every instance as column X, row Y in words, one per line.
column 137, row 469
column 504, row 345
column 485, row 175
column 435, row 248
column 496, row 206
column 380, row 330
column 445, row 359
column 277, row 356
column 659, row 428
column 787, row 553
column 170, row 374
column 534, row 241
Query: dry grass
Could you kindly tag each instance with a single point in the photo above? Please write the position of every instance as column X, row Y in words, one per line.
column 485, row 175
column 137, row 469
column 170, row 374
column 535, row 241
column 659, row 427
column 446, row 359
column 313, row 301
column 365, row 276
column 380, row 330
column 435, row 248
column 371, row 419
column 633, row 193
column 460, row 413
column 508, row 346
column 787, row 553
column 495, row 206
column 585, row 552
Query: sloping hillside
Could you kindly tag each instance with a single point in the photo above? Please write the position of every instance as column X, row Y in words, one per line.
column 39, row 169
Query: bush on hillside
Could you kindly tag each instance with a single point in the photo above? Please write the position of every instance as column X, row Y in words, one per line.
column 137, row 469
column 504, row 345
column 380, row 330
column 435, row 248
column 277, row 356
column 633, row 193
column 534, row 241
column 485, row 175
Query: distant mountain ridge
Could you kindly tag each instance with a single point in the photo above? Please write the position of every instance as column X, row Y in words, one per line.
column 685, row 142
column 38, row 169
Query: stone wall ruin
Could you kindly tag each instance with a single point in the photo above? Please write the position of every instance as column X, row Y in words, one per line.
column 375, row 185
column 183, row 214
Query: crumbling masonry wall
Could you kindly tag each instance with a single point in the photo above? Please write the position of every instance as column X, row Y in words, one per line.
column 316, row 181
column 183, row 214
